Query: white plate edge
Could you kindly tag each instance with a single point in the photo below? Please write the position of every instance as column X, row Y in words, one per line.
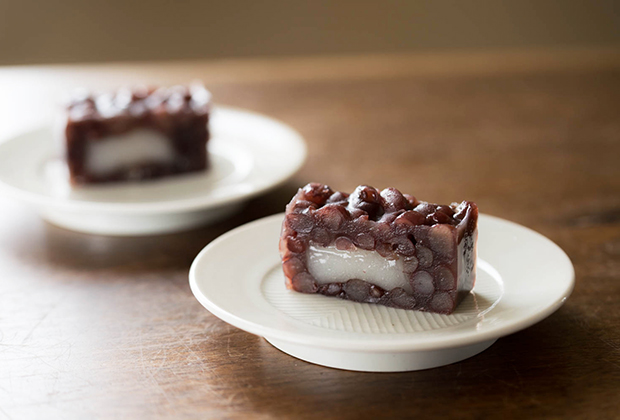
column 164, row 207
column 378, row 346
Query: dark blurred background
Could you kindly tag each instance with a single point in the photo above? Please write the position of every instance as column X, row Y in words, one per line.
column 63, row 31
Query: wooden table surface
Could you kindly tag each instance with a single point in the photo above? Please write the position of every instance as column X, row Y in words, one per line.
column 106, row 327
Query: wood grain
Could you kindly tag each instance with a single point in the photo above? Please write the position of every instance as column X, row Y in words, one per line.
column 104, row 327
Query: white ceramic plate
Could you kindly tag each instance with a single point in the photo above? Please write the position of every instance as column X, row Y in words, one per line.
column 522, row 278
column 250, row 153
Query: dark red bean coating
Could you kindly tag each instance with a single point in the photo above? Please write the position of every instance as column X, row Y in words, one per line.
column 444, row 278
column 322, row 236
column 180, row 113
column 317, row 193
column 402, row 299
column 368, row 200
column 376, row 292
column 295, row 245
column 300, row 223
column 411, row 217
column 364, row 241
column 338, row 197
column 332, row 216
column 424, row 236
column 357, row 290
column 394, row 200
column 423, row 283
column 331, row 289
column 301, row 205
column 344, row 244
column 441, row 302
column 304, row 283
column 292, row 266
column 425, row 256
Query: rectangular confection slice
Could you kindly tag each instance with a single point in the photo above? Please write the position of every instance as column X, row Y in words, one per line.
column 137, row 134
column 379, row 247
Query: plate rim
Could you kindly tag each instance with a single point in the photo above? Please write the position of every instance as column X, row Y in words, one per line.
column 163, row 206
column 411, row 343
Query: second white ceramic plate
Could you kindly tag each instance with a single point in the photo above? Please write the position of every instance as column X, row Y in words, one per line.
column 522, row 278
column 250, row 153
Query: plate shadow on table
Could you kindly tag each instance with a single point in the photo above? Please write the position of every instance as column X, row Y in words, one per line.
column 78, row 251
column 519, row 371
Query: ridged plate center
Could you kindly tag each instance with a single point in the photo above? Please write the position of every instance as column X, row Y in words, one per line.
column 342, row 315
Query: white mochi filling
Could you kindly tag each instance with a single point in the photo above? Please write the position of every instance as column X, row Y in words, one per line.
column 331, row 265
column 136, row 147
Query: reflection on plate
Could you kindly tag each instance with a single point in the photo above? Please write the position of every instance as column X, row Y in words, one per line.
column 249, row 154
column 238, row 278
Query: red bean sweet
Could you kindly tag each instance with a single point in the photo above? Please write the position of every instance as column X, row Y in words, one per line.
column 322, row 236
column 300, row 223
column 422, row 236
column 441, row 303
column 332, row 216
column 357, row 213
column 422, row 283
column 442, row 239
column 406, row 247
column 295, row 245
column 413, row 217
column 375, row 292
column 331, row 289
column 357, row 290
column 388, row 218
column 317, row 193
column 447, row 210
column 412, row 201
column 382, row 231
column 402, row 299
column 384, row 249
column 337, row 197
column 425, row 256
column 292, row 266
column 393, row 200
column 439, row 217
column 425, row 209
column 444, row 279
column 302, row 205
column 344, row 244
column 410, row 264
column 364, row 241
column 305, row 283
column 368, row 200
column 179, row 114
